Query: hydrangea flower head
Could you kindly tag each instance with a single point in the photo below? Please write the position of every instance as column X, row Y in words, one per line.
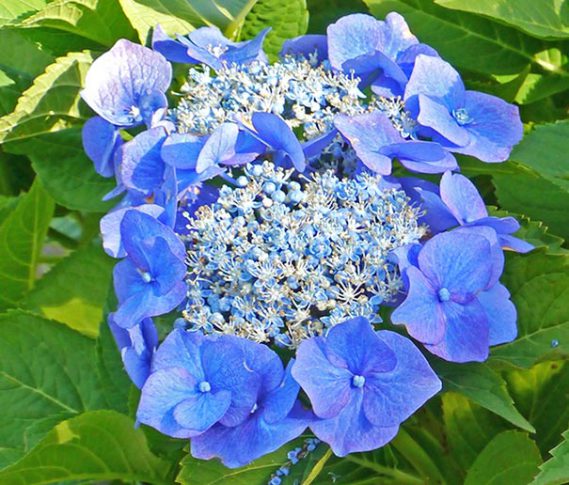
column 377, row 380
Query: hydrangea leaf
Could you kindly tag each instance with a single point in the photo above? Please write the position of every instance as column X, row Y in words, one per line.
column 16, row 9
column 547, row 384
column 51, row 103
column 511, row 455
column 74, row 291
column 50, row 368
column 483, row 386
column 469, row 427
column 469, row 41
column 25, row 59
column 555, row 471
column 21, row 237
column 548, row 19
column 539, row 285
column 97, row 445
column 522, row 192
column 66, row 172
column 287, row 20
column 101, row 21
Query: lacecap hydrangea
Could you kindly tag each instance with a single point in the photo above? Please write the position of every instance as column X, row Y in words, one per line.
column 274, row 215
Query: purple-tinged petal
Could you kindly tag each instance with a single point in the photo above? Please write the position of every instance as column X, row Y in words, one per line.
column 502, row 225
column 247, row 51
column 313, row 147
column 495, row 127
column 437, row 79
column 423, row 156
column 219, row 147
column 201, row 410
column 350, row 431
column 462, row 198
column 459, row 262
column 181, row 349
column 141, row 166
column 280, row 401
column 161, row 393
column 406, row 59
column 501, row 314
column 171, row 49
column 320, row 379
column 306, row 45
column 391, row 397
column 111, row 223
column 100, row 141
column 118, row 81
column 181, row 150
column 420, row 312
column 467, row 335
column 436, row 116
column 511, row 243
column 354, row 345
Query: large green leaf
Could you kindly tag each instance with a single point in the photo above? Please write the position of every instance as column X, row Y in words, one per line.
column 14, row 10
column 511, row 457
column 74, row 291
column 471, row 42
column 22, row 234
column 51, row 103
column 539, row 285
column 485, row 387
column 101, row 21
column 47, row 374
column 542, row 396
column 546, row 18
column 529, row 194
column 24, row 59
column 98, row 445
column 287, row 20
column 469, row 427
column 324, row 12
column 68, row 175
column 555, row 471
column 182, row 16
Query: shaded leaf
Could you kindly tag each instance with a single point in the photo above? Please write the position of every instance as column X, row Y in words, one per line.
column 555, row 471
column 22, row 234
column 511, row 457
column 97, row 445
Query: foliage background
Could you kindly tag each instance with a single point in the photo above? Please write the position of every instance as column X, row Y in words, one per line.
column 66, row 405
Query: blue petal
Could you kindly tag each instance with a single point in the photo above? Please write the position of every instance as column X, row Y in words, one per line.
column 201, row 410
column 100, row 141
column 501, row 314
column 247, row 51
column 117, row 82
column 462, row 198
column 350, row 431
column 435, row 115
column 467, row 334
column 320, row 379
column 313, row 147
column 515, row 244
column 181, row 150
column 172, row 50
column 354, row 345
column 181, row 349
column 420, row 312
column 279, row 402
column 391, row 397
column 305, row 45
column 459, row 262
column 141, row 166
column 423, row 156
column 219, row 147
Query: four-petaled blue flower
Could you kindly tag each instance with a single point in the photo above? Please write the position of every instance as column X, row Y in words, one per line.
column 454, row 305
column 362, row 384
column 467, row 122
column 150, row 280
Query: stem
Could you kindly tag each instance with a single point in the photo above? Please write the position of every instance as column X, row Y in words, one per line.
column 402, row 478
column 317, row 468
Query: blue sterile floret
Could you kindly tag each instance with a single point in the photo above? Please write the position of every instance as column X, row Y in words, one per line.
column 278, row 259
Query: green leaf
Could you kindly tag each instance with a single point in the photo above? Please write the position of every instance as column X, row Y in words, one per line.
column 547, row 18
column 101, row 21
column 18, row 9
column 47, row 374
column 539, row 285
column 471, row 42
column 325, row 12
column 22, row 234
column 24, row 59
column 469, row 427
column 555, row 471
column 74, row 291
column 98, row 445
column 485, row 387
column 542, row 396
column 552, row 139
column 68, row 175
column 511, row 457
column 287, row 20
column 182, row 16
column 523, row 193
column 51, row 103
